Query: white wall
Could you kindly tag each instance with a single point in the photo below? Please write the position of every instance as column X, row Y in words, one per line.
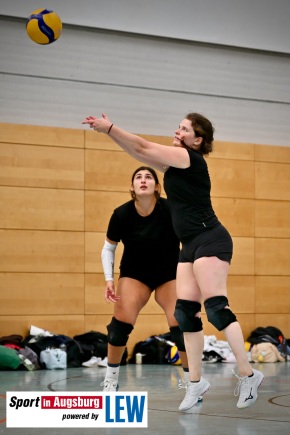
column 258, row 24
column 147, row 83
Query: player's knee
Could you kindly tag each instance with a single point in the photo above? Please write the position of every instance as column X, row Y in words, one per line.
column 177, row 338
column 118, row 332
column 185, row 314
column 217, row 314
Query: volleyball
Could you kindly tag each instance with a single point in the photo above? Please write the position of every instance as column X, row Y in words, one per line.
column 173, row 356
column 43, row 26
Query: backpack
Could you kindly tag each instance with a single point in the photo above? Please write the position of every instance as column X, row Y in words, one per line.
column 154, row 350
column 75, row 354
column 266, row 352
column 95, row 343
column 9, row 358
column 28, row 353
column 269, row 334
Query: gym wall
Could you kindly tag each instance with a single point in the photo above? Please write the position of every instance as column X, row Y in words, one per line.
column 58, row 188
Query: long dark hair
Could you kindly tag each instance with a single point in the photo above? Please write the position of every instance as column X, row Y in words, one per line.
column 153, row 173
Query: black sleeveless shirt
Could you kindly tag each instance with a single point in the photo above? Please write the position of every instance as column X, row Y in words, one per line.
column 188, row 194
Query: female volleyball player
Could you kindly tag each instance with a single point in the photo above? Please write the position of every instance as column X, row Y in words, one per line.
column 206, row 245
column 148, row 264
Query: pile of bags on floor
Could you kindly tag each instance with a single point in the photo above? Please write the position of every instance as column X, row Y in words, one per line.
column 268, row 345
column 159, row 349
column 264, row 345
column 44, row 350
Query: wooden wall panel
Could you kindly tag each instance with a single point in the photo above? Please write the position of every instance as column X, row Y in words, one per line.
column 40, row 135
column 272, row 219
column 233, row 151
column 41, row 166
column 232, row 178
column 41, row 293
column 57, row 324
column 272, row 181
column 97, row 322
column 241, row 293
column 41, row 209
column 41, row 251
column 243, row 256
column 94, row 294
column 110, row 171
column 237, row 215
column 58, row 189
column 272, row 294
column 272, row 256
column 96, row 141
column 99, row 207
column 281, row 322
column 272, row 154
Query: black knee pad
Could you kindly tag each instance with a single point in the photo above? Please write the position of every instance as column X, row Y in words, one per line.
column 118, row 332
column 177, row 338
column 185, row 312
column 217, row 314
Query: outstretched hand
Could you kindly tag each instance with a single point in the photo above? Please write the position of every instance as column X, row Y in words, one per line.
column 101, row 125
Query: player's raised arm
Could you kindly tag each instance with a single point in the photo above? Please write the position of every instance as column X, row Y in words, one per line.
column 157, row 155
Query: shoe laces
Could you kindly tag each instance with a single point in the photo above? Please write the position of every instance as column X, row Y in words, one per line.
column 182, row 384
column 241, row 382
column 111, row 383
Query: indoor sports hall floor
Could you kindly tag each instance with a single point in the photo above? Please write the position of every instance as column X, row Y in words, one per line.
column 216, row 415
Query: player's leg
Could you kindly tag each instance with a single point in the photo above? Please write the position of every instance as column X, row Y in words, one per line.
column 133, row 297
column 211, row 274
column 187, row 313
column 165, row 296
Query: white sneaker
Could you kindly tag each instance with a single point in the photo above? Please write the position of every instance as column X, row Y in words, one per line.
column 193, row 392
column 247, row 388
column 182, row 383
column 110, row 385
column 93, row 362
column 103, row 362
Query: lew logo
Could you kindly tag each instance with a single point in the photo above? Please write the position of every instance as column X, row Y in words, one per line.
column 125, row 408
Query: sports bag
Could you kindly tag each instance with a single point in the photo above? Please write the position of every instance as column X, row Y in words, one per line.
column 53, row 358
column 266, row 352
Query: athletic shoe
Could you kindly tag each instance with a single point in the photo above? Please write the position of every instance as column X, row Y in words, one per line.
column 247, row 388
column 110, row 385
column 103, row 362
column 183, row 384
column 193, row 391
column 93, row 362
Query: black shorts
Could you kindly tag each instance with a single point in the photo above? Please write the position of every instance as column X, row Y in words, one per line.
column 215, row 242
column 152, row 278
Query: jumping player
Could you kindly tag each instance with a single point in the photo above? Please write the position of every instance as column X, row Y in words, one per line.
column 206, row 245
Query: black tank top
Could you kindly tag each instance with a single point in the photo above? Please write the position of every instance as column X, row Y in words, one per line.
column 188, row 194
